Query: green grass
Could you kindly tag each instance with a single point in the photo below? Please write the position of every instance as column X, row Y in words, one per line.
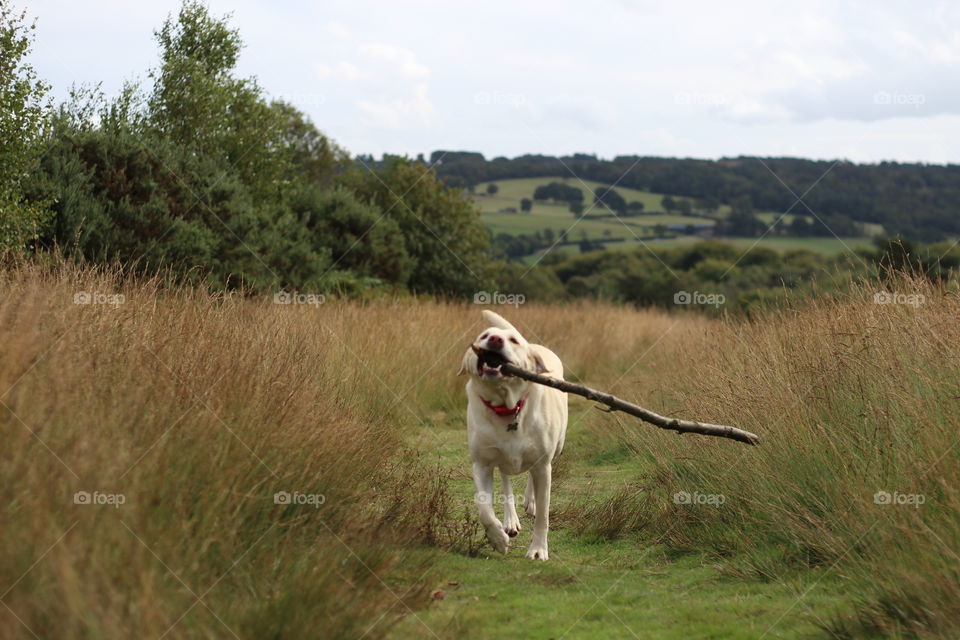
column 559, row 218
column 511, row 191
column 599, row 589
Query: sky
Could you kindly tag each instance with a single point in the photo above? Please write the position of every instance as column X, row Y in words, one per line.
column 861, row 81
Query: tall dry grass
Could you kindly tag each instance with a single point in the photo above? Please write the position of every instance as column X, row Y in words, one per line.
column 198, row 408
column 195, row 409
column 858, row 405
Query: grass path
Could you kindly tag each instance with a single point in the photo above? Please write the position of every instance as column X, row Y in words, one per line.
column 600, row 589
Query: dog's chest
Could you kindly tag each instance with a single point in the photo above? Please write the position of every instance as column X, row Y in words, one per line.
column 512, row 451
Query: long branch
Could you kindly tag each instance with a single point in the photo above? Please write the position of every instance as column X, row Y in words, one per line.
column 616, row 404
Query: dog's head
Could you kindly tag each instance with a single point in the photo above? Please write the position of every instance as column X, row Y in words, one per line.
column 499, row 343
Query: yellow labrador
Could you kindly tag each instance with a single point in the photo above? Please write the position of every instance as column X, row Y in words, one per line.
column 515, row 426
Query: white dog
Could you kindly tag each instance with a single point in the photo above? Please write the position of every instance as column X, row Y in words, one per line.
column 513, row 425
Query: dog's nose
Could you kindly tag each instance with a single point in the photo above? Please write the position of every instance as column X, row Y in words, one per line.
column 495, row 342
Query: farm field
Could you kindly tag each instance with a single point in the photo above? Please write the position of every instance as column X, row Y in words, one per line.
column 558, row 218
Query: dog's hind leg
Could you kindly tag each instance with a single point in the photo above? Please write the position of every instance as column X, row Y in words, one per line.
column 529, row 499
column 511, row 521
column 483, row 479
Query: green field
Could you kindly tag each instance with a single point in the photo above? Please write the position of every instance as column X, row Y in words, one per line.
column 558, row 217
column 511, row 191
column 601, row 589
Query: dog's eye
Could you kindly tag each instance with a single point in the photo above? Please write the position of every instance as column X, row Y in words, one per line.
column 483, row 337
column 514, row 341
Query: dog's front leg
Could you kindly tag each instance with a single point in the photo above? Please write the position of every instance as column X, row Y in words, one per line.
column 483, row 479
column 541, row 487
column 511, row 521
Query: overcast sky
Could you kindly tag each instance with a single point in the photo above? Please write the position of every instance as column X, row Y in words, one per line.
column 863, row 81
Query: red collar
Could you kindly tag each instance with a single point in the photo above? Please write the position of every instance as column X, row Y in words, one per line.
column 504, row 411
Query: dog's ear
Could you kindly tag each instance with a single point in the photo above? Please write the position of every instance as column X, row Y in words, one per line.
column 496, row 320
column 538, row 365
column 467, row 362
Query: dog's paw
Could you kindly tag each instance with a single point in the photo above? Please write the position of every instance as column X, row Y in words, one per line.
column 498, row 538
column 538, row 552
column 511, row 523
column 531, row 508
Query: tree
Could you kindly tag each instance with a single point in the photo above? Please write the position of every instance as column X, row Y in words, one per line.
column 684, row 206
column 198, row 101
column 24, row 114
column 576, row 208
column 314, row 155
column 442, row 231
column 492, row 188
column 558, row 192
column 526, row 205
column 635, row 207
column 608, row 198
column 800, row 227
column 668, row 203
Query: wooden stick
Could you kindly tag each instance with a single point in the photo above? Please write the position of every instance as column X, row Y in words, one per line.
column 616, row 404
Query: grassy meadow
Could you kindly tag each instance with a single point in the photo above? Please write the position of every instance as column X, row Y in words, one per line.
column 180, row 464
column 627, row 229
column 559, row 218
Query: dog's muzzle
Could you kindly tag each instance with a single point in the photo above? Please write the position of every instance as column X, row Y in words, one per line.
column 489, row 362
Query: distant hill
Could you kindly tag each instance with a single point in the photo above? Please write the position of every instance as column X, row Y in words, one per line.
column 917, row 201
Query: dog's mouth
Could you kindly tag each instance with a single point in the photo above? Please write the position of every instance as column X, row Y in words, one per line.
column 489, row 363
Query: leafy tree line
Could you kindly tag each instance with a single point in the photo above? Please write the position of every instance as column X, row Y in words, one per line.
column 198, row 172
column 918, row 201
column 720, row 277
column 201, row 173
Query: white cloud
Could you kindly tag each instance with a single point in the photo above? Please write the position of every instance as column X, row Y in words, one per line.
column 340, row 71
column 400, row 113
column 403, row 59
